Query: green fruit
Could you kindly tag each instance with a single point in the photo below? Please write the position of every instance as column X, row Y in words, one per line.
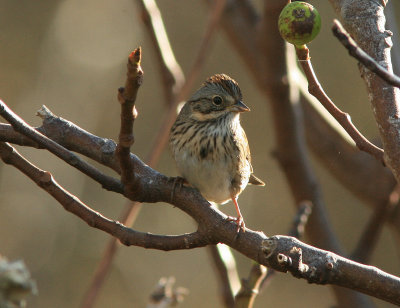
column 299, row 23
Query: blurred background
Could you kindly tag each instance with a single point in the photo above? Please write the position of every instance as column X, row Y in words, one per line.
column 71, row 56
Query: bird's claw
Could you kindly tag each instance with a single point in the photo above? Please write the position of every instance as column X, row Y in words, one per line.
column 239, row 222
column 178, row 183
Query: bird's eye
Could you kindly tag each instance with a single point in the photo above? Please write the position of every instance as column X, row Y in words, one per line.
column 217, row 100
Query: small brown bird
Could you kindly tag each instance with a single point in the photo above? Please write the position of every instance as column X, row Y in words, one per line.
column 209, row 145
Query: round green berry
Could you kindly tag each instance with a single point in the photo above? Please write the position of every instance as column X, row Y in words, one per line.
column 299, row 23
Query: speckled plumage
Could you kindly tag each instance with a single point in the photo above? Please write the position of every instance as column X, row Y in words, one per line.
column 210, row 146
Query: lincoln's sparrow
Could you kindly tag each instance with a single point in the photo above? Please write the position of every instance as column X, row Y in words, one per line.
column 209, row 145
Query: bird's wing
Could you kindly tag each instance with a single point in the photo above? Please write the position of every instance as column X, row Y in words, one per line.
column 253, row 179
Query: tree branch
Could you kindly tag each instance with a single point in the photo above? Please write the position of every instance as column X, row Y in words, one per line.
column 356, row 52
column 315, row 88
column 75, row 161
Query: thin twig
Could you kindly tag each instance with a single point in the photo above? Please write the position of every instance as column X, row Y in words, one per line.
column 127, row 98
column 315, row 88
column 72, row 159
column 362, row 56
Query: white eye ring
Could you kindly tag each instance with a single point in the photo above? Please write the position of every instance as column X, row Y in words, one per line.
column 217, row 100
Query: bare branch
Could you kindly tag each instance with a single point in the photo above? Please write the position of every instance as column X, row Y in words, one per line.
column 75, row 161
column 362, row 56
column 315, row 88
column 356, row 170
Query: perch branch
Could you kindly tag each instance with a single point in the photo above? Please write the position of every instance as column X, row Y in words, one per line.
column 362, row 56
column 315, row 88
column 75, row 161
column 279, row 252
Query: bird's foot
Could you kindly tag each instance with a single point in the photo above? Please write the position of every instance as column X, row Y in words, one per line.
column 239, row 222
column 178, row 183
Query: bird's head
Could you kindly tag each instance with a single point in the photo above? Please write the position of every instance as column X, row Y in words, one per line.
column 218, row 96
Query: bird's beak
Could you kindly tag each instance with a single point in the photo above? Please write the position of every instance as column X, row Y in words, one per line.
column 240, row 107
